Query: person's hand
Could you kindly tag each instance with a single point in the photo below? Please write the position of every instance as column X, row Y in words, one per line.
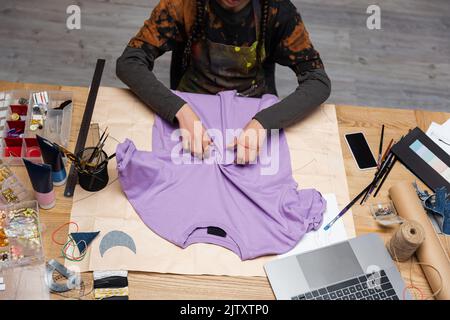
column 249, row 142
column 194, row 137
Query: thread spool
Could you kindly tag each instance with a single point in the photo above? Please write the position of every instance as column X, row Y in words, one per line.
column 406, row 240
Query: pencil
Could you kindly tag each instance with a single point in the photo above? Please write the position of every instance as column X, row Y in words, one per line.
column 388, row 149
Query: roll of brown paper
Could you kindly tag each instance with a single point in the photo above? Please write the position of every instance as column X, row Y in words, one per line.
column 431, row 251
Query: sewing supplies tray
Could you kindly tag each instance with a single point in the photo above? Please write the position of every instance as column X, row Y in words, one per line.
column 22, row 117
column 20, row 235
column 11, row 189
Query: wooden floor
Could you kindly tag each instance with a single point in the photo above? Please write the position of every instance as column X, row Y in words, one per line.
column 406, row 64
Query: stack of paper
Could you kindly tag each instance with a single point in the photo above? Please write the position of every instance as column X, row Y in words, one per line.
column 440, row 134
column 318, row 239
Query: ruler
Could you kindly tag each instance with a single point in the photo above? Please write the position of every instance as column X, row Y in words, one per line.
column 72, row 178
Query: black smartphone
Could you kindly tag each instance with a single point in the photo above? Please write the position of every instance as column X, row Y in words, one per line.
column 360, row 150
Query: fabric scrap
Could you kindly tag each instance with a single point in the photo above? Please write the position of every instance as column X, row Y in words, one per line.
column 111, row 282
column 110, row 292
column 100, row 274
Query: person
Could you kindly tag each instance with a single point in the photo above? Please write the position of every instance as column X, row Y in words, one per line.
column 222, row 45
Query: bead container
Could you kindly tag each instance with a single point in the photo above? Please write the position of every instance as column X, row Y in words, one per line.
column 20, row 235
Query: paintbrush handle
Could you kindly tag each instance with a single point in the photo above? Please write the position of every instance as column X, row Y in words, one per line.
column 378, row 175
column 391, row 165
column 346, row 208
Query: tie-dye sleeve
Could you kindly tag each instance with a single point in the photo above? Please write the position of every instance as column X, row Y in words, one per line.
column 294, row 48
column 162, row 29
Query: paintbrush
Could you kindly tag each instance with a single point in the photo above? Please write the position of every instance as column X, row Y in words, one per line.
column 97, row 146
column 347, row 207
column 377, row 177
column 380, row 148
column 388, row 149
column 388, row 170
column 100, row 151
column 106, row 160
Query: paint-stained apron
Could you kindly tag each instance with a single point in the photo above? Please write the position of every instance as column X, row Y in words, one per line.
column 216, row 67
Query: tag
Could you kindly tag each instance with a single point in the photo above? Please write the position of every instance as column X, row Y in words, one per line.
column 216, row 231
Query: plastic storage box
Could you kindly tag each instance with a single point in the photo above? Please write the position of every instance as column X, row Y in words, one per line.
column 20, row 235
column 17, row 118
column 11, row 189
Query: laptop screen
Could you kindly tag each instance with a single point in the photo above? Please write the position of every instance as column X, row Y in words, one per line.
column 329, row 265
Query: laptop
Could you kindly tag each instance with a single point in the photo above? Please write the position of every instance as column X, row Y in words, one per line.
column 357, row 269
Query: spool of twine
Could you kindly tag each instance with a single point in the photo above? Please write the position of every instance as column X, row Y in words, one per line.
column 405, row 241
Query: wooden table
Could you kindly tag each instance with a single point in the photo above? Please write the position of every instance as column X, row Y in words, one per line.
column 169, row 286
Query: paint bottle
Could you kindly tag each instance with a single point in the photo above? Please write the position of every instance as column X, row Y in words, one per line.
column 53, row 157
column 41, row 178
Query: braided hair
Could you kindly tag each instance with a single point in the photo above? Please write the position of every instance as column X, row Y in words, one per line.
column 263, row 31
column 198, row 31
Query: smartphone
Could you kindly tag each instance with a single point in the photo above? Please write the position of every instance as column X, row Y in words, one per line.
column 360, row 150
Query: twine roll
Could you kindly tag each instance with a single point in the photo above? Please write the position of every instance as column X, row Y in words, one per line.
column 406, row 240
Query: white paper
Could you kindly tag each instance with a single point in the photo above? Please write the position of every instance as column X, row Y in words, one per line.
column 440, row 134
column 99, row 274
column 321, row 238
column 446, row 124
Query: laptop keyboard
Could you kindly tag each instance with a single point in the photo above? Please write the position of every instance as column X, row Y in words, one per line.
column 373, row 286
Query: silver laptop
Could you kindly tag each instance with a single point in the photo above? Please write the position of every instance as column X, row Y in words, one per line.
column 358, row 269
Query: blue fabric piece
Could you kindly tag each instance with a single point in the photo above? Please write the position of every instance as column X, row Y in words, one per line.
column 116, row 238
column 83, row 239
column 437, row 204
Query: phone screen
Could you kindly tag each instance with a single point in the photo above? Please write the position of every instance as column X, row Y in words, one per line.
column 361, row 150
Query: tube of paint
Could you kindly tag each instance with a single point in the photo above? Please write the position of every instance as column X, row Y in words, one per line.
column 52, row 156
column 41, row 178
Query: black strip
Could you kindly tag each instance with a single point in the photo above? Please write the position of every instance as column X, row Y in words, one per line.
column 85, row 123
column 116, row 298
column 111, row 282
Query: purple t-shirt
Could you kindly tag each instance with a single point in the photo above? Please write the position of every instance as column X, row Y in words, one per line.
column 253, row 210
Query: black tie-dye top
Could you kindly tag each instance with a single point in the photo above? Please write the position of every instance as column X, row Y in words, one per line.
column 287, row 40
column 287, row 43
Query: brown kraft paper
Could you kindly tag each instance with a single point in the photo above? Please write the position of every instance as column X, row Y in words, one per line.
column 431, row 251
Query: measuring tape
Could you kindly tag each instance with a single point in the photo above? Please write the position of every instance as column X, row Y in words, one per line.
column 73, row 278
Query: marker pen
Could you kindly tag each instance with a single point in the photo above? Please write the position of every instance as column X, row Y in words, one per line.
column 52, row 156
